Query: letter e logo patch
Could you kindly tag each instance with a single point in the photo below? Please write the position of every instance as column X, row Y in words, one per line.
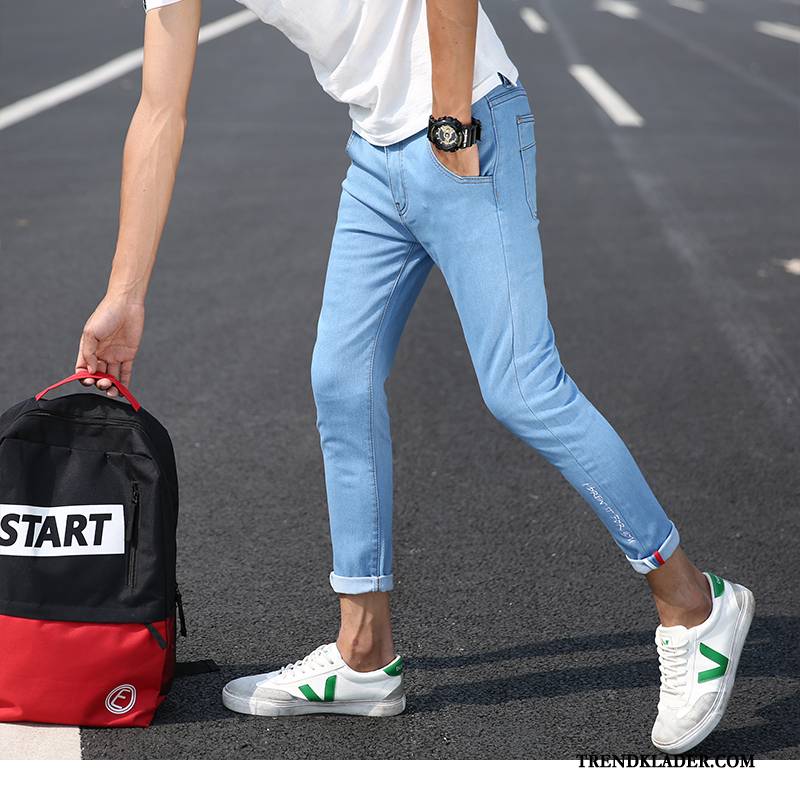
column 122, row 699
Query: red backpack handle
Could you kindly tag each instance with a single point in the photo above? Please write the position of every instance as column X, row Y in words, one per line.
column 79, row 376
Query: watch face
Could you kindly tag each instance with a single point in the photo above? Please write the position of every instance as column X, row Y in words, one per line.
column 446, row 136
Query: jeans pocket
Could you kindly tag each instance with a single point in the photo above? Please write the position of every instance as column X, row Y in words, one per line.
column 527, row 150
column 452, row 175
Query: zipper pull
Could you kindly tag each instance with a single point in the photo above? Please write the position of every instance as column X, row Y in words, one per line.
column 135, row 493
column 181, row 617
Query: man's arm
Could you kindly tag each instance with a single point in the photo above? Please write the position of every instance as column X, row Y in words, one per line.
column 153, row 147
column 452, row 29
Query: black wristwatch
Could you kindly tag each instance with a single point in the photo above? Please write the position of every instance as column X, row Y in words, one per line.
column 450, row 134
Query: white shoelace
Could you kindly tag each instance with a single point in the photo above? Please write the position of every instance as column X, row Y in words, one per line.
column 320, row 657
column 673, row 662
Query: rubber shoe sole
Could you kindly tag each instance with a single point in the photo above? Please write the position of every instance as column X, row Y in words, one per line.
column 296, row 708
column 714, row 716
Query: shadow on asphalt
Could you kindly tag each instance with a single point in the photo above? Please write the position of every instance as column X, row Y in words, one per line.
column 771, row 652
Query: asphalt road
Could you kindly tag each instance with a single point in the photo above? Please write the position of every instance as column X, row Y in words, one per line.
column 668, row 254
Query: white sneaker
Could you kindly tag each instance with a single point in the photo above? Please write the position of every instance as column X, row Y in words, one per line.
column 319, row 684
column 698, row 667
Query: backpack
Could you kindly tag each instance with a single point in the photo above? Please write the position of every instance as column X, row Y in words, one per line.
column 88, row 514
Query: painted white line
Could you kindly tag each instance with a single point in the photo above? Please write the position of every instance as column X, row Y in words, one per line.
column 533, row 20
column 606, row 96
column 780, row 30
column 225, row 25
column 792, row 266
column 105, row 73
column 698, row 6
column 24, row 742
column 618, row 8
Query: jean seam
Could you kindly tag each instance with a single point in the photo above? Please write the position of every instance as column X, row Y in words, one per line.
column 516, row 371
column 379, row 549
column 528, row 153
column 402, row 211
column 515, row 91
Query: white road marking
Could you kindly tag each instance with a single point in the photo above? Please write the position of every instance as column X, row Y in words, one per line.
column 533, row 20
column 780, row 30
column 729, row 307
column 606, row 96
column 619, row 8
column 105, row 73
column 792, row 266
column 20, row 741
column 698, row 6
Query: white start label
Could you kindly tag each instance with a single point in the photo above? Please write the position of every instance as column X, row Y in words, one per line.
column 62, row 530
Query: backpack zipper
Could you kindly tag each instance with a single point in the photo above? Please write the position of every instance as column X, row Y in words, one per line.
column 133, row 536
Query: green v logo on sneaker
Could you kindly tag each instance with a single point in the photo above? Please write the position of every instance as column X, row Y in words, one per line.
column 714, row 672
column 330, row 688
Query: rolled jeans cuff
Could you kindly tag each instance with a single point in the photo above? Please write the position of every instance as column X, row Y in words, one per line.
column 370, row 583
column 659, row 556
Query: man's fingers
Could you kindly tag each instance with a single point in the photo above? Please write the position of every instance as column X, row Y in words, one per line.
column 113, row 369
column 80, row 366
column 125, row 372
column 87, row 357
column 104, row 384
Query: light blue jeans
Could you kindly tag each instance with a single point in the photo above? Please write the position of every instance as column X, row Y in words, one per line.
column 401, row 211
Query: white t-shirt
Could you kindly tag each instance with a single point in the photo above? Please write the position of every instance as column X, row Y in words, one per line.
column 374, row 55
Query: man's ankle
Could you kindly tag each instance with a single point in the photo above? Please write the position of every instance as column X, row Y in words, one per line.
column 681, row 592
column 694, row 609
column 365, row 656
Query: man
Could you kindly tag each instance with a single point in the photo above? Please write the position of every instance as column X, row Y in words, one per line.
column 442, row 172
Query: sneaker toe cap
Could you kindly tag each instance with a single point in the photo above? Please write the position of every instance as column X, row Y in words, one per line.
column 671, row 726
column 255, row 687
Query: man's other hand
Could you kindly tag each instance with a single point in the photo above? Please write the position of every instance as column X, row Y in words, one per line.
column 110, row 341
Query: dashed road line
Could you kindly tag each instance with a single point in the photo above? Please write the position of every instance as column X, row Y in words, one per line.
column 697, row 6
column 620, row 111
column 745, row 329
column 619, row 8
column 779, row 30
column 754, row 79
column 99, row 76
column 23, row 742
column 533, row 20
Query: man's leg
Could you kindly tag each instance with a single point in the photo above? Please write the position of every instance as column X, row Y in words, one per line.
column 486, row 242
column 483, row 233
column 375, row 272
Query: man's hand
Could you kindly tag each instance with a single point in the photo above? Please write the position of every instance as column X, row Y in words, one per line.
column 111, row 340
column 463, row 162
column 452, row 31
